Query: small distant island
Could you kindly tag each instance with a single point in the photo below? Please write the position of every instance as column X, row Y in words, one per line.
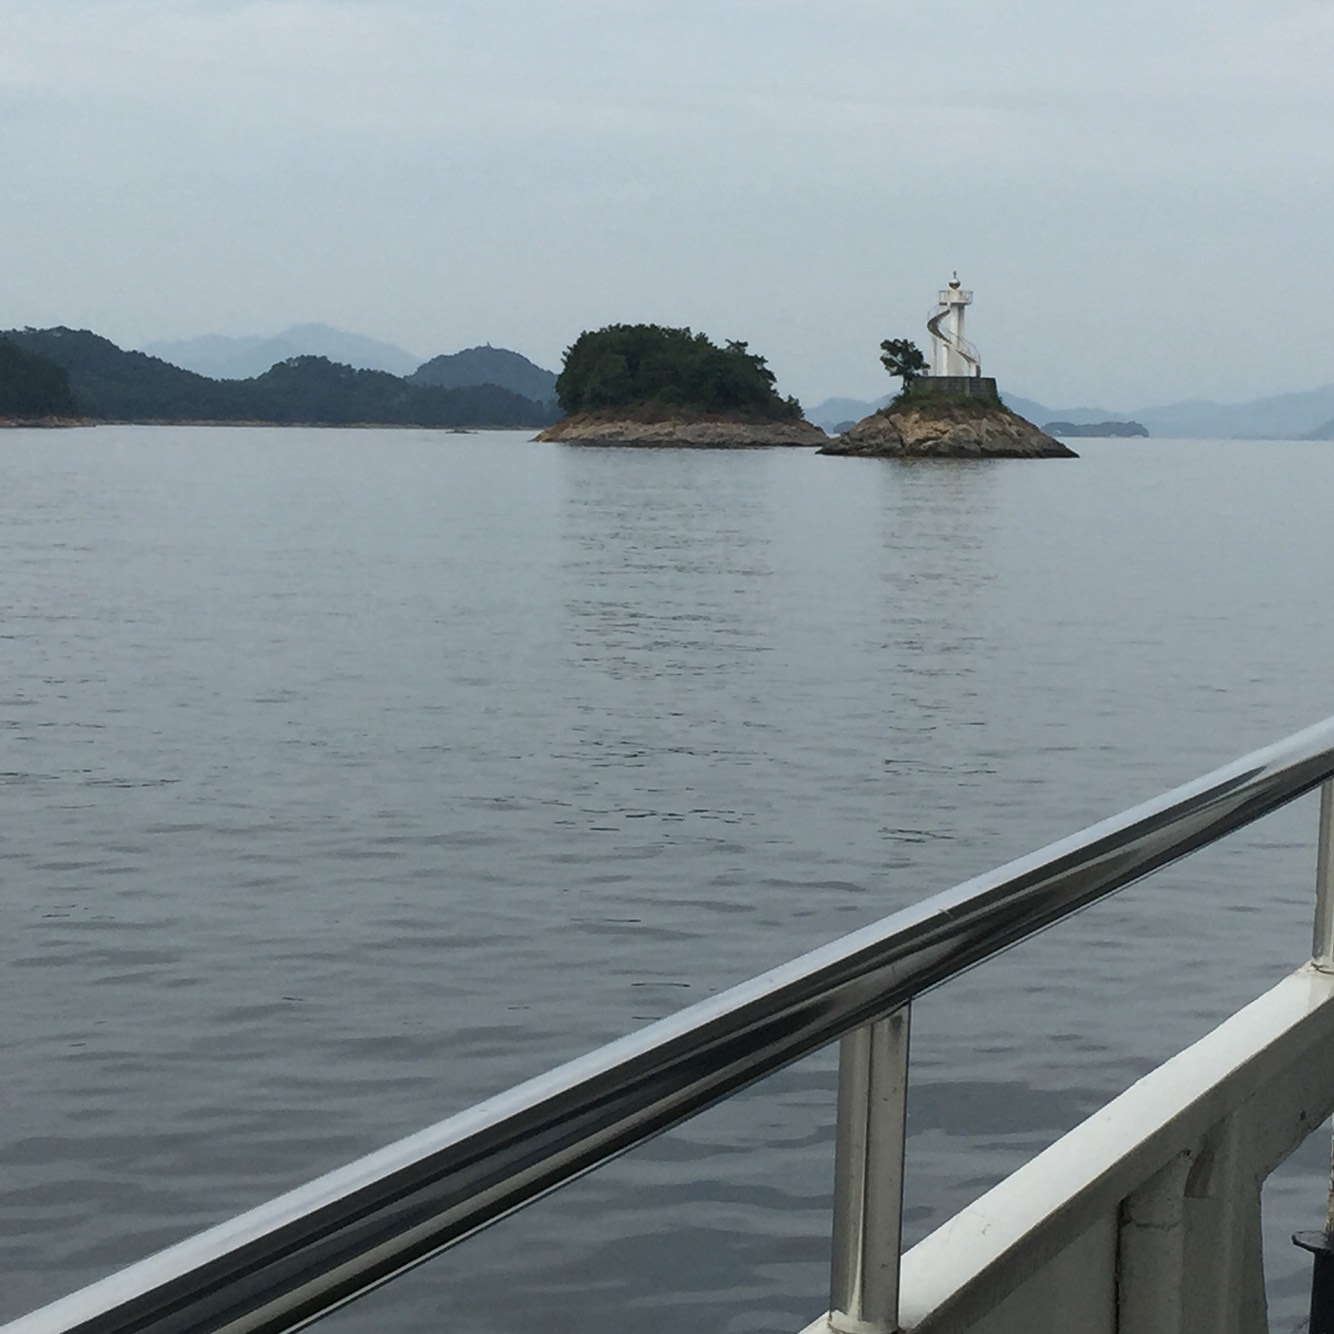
column 1095, row 429
column 645, row 384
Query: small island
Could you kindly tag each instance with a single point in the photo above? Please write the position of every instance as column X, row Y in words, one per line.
column 1091, row 430
column 957, row 420
column 646, row 385
column 947, row 409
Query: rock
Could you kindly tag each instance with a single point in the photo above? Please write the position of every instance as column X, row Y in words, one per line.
column 6, row 423
column 940, row 428
column 681, row 430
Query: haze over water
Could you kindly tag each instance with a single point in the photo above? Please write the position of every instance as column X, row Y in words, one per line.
column 350, row 777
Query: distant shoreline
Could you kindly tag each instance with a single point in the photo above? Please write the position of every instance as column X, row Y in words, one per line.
column 63, row 375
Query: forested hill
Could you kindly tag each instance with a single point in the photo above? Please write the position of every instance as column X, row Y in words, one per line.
column 489, row 365
column 32, row 387
column 312, row 389
column 110, row 384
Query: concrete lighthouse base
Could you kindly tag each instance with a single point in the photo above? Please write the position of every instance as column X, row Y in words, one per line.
column 972, row 388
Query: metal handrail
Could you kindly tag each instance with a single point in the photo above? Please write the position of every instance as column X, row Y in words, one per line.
column 966, row 349
column 313, row 1249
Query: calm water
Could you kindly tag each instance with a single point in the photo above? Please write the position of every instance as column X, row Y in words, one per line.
column 348, row 777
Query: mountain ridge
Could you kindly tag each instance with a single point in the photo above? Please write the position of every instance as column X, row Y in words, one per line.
column 488, row 365
column 224, row 357
column 112, row 384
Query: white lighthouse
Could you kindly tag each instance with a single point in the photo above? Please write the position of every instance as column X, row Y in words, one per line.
column 951, row 353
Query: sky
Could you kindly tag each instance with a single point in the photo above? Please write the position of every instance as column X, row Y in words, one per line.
column 1139, row 194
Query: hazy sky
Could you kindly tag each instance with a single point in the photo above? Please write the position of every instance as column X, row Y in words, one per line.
column 1139, row 194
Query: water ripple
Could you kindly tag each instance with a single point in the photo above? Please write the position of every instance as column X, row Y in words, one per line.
column 351, row 778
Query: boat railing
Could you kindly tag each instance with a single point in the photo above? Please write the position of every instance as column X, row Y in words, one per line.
column 312, row 1250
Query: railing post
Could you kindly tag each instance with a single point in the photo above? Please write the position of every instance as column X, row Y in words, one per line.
column 1321, row 1244
column 1150, row 1266
column 868, row 1177
column 1322, row 945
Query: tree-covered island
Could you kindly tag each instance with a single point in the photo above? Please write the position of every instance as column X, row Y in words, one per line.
column 646, row 384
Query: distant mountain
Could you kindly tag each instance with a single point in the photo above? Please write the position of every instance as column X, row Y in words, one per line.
column 489, row 365
column 1278, row 417
column 1282, row 416
column 114, row 385
column 1037, row 412
column 314, row 389
column 836, row 411
column 224, row 358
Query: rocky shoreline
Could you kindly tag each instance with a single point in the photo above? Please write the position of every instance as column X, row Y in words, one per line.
column 681, row 431
column 947, row 429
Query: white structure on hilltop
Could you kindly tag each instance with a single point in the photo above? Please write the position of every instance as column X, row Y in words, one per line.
column 951, row 352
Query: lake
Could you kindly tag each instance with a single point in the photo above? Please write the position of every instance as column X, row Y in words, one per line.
column 351, row 776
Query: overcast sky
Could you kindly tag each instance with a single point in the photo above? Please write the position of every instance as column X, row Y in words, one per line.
column 1140, row 194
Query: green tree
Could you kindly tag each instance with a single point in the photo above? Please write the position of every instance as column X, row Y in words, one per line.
column 903, row 358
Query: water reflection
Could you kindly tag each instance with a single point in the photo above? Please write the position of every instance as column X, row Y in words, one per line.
column 684, row 533
column 936, row 569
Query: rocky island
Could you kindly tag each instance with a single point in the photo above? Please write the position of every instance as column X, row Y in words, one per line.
column 938, row 417
column 646, row 385
column 947, row 409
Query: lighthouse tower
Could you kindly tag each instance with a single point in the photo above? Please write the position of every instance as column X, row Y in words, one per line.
column 951, row 353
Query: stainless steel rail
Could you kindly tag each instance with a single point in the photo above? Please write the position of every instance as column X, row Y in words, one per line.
column 309, row 1251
